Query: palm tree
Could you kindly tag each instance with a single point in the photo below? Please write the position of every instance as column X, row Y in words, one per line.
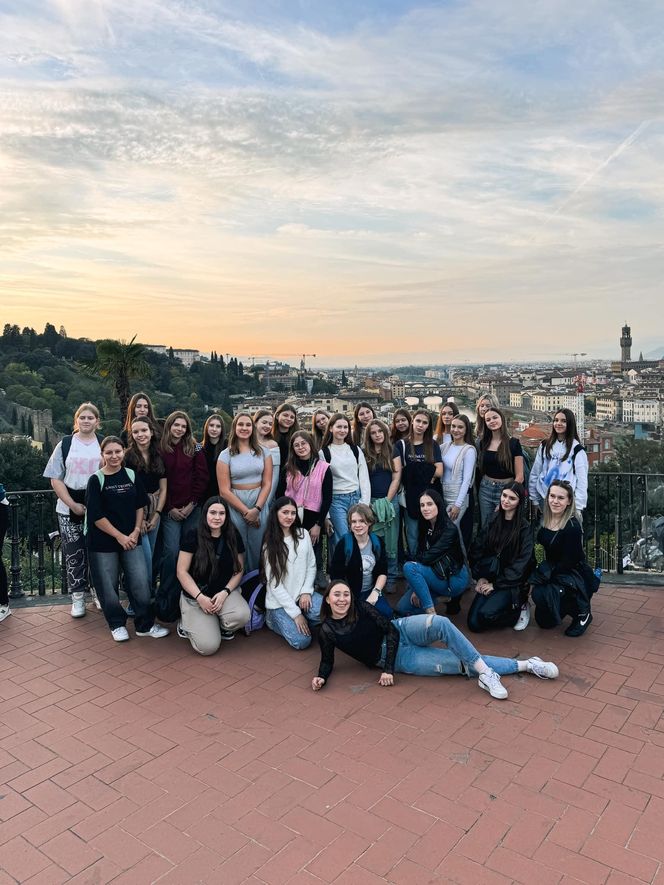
column 119, row 362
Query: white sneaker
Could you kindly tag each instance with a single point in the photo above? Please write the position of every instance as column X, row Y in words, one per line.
column 524, row 618
column 95, row 599
column 5, row 612
column 78, row 605
column 156, row 631
column 120, row 634
column 490, row 681
column 542, row 669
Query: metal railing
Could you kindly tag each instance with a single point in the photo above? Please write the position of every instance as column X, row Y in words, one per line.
column 623, row 526
column 623, row 522
column 36, row 567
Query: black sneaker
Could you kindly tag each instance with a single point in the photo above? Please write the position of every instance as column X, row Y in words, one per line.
column 227, row 635
column 453, row 607
column 579, row 625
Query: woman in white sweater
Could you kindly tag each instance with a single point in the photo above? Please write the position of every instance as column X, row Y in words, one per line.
column 561, row 457
column 459, row 457
column 350, row 475
column 289, row 572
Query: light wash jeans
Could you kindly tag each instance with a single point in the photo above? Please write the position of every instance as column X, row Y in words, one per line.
column 105, row 568
column 171, row 533
column 488, row 498
column 338, row 515
column 148, row 543
column 415, row 656
column 423, row 581
column 279, row 621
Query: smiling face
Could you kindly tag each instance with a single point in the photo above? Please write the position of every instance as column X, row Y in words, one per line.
column 359, row 526
column 559, row 500
column 340, row 430
column 215, row 518
column 87, row 422
column 286, row 517
column 509, row 501
column 560, row 424
column 428, row 509
column 244, row 427
column 364, row 415
column 264, row 425
column 178, row 428
column 493, row 420
column 401, row 423
column 141, row 433
column 338, row 598
column 113, row 454
column 377, row 435
column 458, row 430
column 141, row 408
column 285, row 420
column 301, row 447
column 214, row 430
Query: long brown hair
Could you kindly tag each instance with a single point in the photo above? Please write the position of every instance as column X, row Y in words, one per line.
column 275, row 551
column 396, row 435
column 357, row 430
column 383, row 457
column 278, row 434
column 440, row 431
column 218, row 447
column 188, row 442
column 571, row 433
column 315, row 432
column 427, row 436
column 326, row 611
column 338, row 416
column 205, row 560
column 503, row 452
column 254, row 445
column 134, row 457
column 291, row 464
column 131, row 413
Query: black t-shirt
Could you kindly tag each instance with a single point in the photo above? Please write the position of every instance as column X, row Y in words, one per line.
column 224, row 570
column 415, row 454
column 492, row 468
column 118, row 502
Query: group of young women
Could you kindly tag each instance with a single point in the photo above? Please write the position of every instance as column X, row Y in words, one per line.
column 363, row 501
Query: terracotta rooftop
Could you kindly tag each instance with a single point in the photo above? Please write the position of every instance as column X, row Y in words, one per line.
column 142, row 762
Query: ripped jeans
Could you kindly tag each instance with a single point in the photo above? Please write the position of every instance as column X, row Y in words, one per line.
column 416, row 656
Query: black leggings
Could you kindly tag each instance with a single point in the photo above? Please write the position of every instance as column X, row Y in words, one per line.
column 501, row 608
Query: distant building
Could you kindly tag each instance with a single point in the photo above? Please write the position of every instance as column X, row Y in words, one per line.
column 608, row 408
column 187, row 357
column 642, row 411
column 626, row 363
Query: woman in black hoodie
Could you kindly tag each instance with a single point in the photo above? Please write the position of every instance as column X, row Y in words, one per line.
column 502, row 560
column 438, row 569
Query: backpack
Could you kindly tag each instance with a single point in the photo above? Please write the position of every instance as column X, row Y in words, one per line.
column 254, row 592
column 65, row 445
column 101, row 476
column 327, row 454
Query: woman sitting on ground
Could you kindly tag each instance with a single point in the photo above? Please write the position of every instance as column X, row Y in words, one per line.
column 289, row 572
column 502, row 560
column 360, row 560
column 564, row 583
column 405, row 646
column 210, row 567
column 438, row 569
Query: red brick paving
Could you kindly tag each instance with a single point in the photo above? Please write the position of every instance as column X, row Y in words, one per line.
column 142, row 762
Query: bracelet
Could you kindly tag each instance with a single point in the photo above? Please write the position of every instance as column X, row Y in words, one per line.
column 196, row 597
column 256, row 507
column 159, row 512
column 228, row 590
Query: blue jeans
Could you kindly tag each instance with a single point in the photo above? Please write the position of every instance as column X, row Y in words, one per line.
column 488, row 497
column 148, row 542
column 425, row 583
column 338, row 514
column 415, row 656
column 412, row 527
column 172, row 531
column 105, row 568
column 279, row 621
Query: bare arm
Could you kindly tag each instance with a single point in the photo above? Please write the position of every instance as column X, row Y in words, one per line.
column 396, row 479
column 62, row 492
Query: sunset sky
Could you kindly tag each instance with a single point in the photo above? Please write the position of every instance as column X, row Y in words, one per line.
column 371, row 181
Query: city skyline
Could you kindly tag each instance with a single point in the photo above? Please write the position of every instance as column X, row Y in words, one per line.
column 373, row 182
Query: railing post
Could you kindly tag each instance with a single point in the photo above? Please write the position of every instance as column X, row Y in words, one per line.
column 646, row 521
column 597, row 527
column 16, row 591
column 619, row 532
column 41, row 569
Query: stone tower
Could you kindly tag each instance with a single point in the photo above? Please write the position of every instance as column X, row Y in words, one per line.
column 626, row 344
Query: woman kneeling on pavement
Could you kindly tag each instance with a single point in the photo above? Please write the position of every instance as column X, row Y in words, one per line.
column 405, row 646
column 115, row 500
column 210, row 568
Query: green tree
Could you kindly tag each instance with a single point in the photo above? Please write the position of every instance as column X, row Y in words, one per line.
column 118, row 362
column 21, row 466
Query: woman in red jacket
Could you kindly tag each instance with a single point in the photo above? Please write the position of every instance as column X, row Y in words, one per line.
column 187, row 481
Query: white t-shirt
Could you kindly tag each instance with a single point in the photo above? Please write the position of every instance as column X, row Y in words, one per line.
column 83, row 460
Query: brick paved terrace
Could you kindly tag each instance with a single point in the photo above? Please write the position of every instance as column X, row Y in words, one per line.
column 142, row 762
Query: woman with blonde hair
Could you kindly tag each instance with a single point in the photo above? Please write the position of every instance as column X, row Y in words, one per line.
column 485, row 401
column 244, row 473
